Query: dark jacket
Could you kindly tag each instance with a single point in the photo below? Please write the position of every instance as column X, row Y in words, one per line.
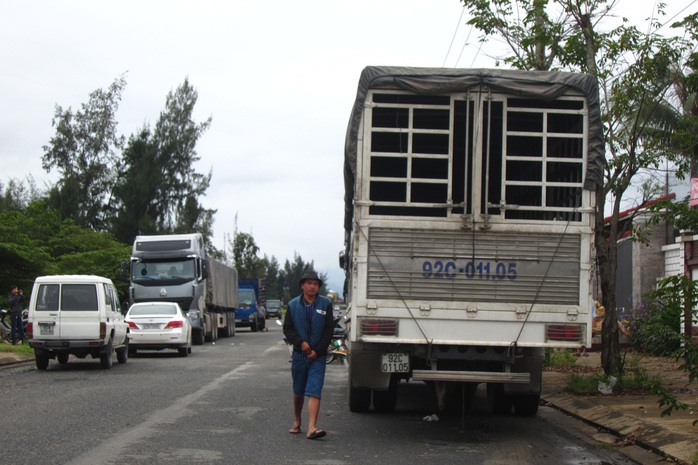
column 16, row 301
column 318, row 333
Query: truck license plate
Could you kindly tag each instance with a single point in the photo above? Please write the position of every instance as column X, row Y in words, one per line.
column 395, row 363
column 46, row 330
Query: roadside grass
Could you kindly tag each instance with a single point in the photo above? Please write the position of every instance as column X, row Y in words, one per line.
column 22, row 349
column 559, row 358
column 633, row 379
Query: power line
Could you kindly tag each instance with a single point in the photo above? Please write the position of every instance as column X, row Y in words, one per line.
column 454, row 35
column 463, row 47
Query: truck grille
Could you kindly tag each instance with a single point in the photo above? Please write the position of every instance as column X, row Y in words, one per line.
column 474, row 266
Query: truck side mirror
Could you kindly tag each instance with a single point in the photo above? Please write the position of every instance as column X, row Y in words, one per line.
column 204, row 269
column 124, row 271
column 342, row 259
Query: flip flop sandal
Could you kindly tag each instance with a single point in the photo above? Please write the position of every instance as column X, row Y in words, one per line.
column 317, row 434
column 295, row 430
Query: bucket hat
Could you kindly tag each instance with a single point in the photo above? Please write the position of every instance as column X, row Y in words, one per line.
column 309, row 275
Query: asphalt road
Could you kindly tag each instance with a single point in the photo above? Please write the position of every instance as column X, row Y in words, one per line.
column 230, row 403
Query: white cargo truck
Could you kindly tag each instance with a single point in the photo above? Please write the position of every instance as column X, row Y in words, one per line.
column 174, row 268
column 469, row 205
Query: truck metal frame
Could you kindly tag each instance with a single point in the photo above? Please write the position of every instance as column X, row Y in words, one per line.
column 175, row 268
column 468, row 229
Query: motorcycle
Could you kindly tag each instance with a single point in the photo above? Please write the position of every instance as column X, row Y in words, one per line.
column 337, row 349
column 6, row 323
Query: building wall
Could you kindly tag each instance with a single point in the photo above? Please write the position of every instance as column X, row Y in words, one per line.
column 673, row 259
column 649, row 261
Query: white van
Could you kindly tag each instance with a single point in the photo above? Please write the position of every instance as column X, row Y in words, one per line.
column 78, row 315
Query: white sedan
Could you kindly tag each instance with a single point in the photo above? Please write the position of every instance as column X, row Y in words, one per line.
column 158, row 325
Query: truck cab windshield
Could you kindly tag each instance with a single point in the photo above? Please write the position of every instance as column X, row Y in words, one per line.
column 180, row 270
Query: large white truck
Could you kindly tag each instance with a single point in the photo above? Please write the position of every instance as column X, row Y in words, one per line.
column 175, row 268
column 469, row 205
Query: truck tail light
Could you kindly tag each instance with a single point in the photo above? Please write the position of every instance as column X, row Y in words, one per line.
column 174, row 324
column 566, row 333
column 102, row 330
column 30, row 331
column 378, row 327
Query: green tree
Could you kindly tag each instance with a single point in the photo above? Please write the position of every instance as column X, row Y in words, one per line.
column 175, row 136
column 245, row 257
column 158, row 191
column 84, row 150
column 292, row 273
column 36, row 242
column 15, row 195
column 272, row 274
column 23, row 254
column 136, row 211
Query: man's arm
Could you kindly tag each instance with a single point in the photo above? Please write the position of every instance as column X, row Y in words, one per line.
column 290, row 331
column 327, row 333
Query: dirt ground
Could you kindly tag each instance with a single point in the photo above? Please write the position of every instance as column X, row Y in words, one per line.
column 674, row 379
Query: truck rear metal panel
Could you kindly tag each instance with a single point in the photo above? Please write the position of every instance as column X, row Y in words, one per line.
column 443, row 265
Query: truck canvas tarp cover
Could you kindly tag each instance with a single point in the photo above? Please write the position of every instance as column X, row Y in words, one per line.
column 546, row 85
column 222, row 285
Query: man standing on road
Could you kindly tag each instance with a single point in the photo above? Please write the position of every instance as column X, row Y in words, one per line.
column 16, row 299
column 308, row 326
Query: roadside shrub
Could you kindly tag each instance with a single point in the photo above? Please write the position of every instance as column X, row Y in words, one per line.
column 634, row 378
column 655, row 329
column 559, row 357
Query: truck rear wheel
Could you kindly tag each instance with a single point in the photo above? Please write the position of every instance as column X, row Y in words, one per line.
column 225, row 330
column 198, row 336
column 359, row 398
column 499, row 402
column 385, row 401
column 526, row 405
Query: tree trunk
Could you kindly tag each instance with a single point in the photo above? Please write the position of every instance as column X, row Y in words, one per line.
column 606, row 260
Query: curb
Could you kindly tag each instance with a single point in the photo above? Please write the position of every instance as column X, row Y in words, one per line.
column 10, row 360
column 646, row 434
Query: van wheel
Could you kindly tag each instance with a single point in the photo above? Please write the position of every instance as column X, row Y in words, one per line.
column 41, row 358
column 62, row 358
column 105, row 358
column 122, row 353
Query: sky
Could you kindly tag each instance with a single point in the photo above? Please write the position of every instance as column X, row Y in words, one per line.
column 277, row 77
